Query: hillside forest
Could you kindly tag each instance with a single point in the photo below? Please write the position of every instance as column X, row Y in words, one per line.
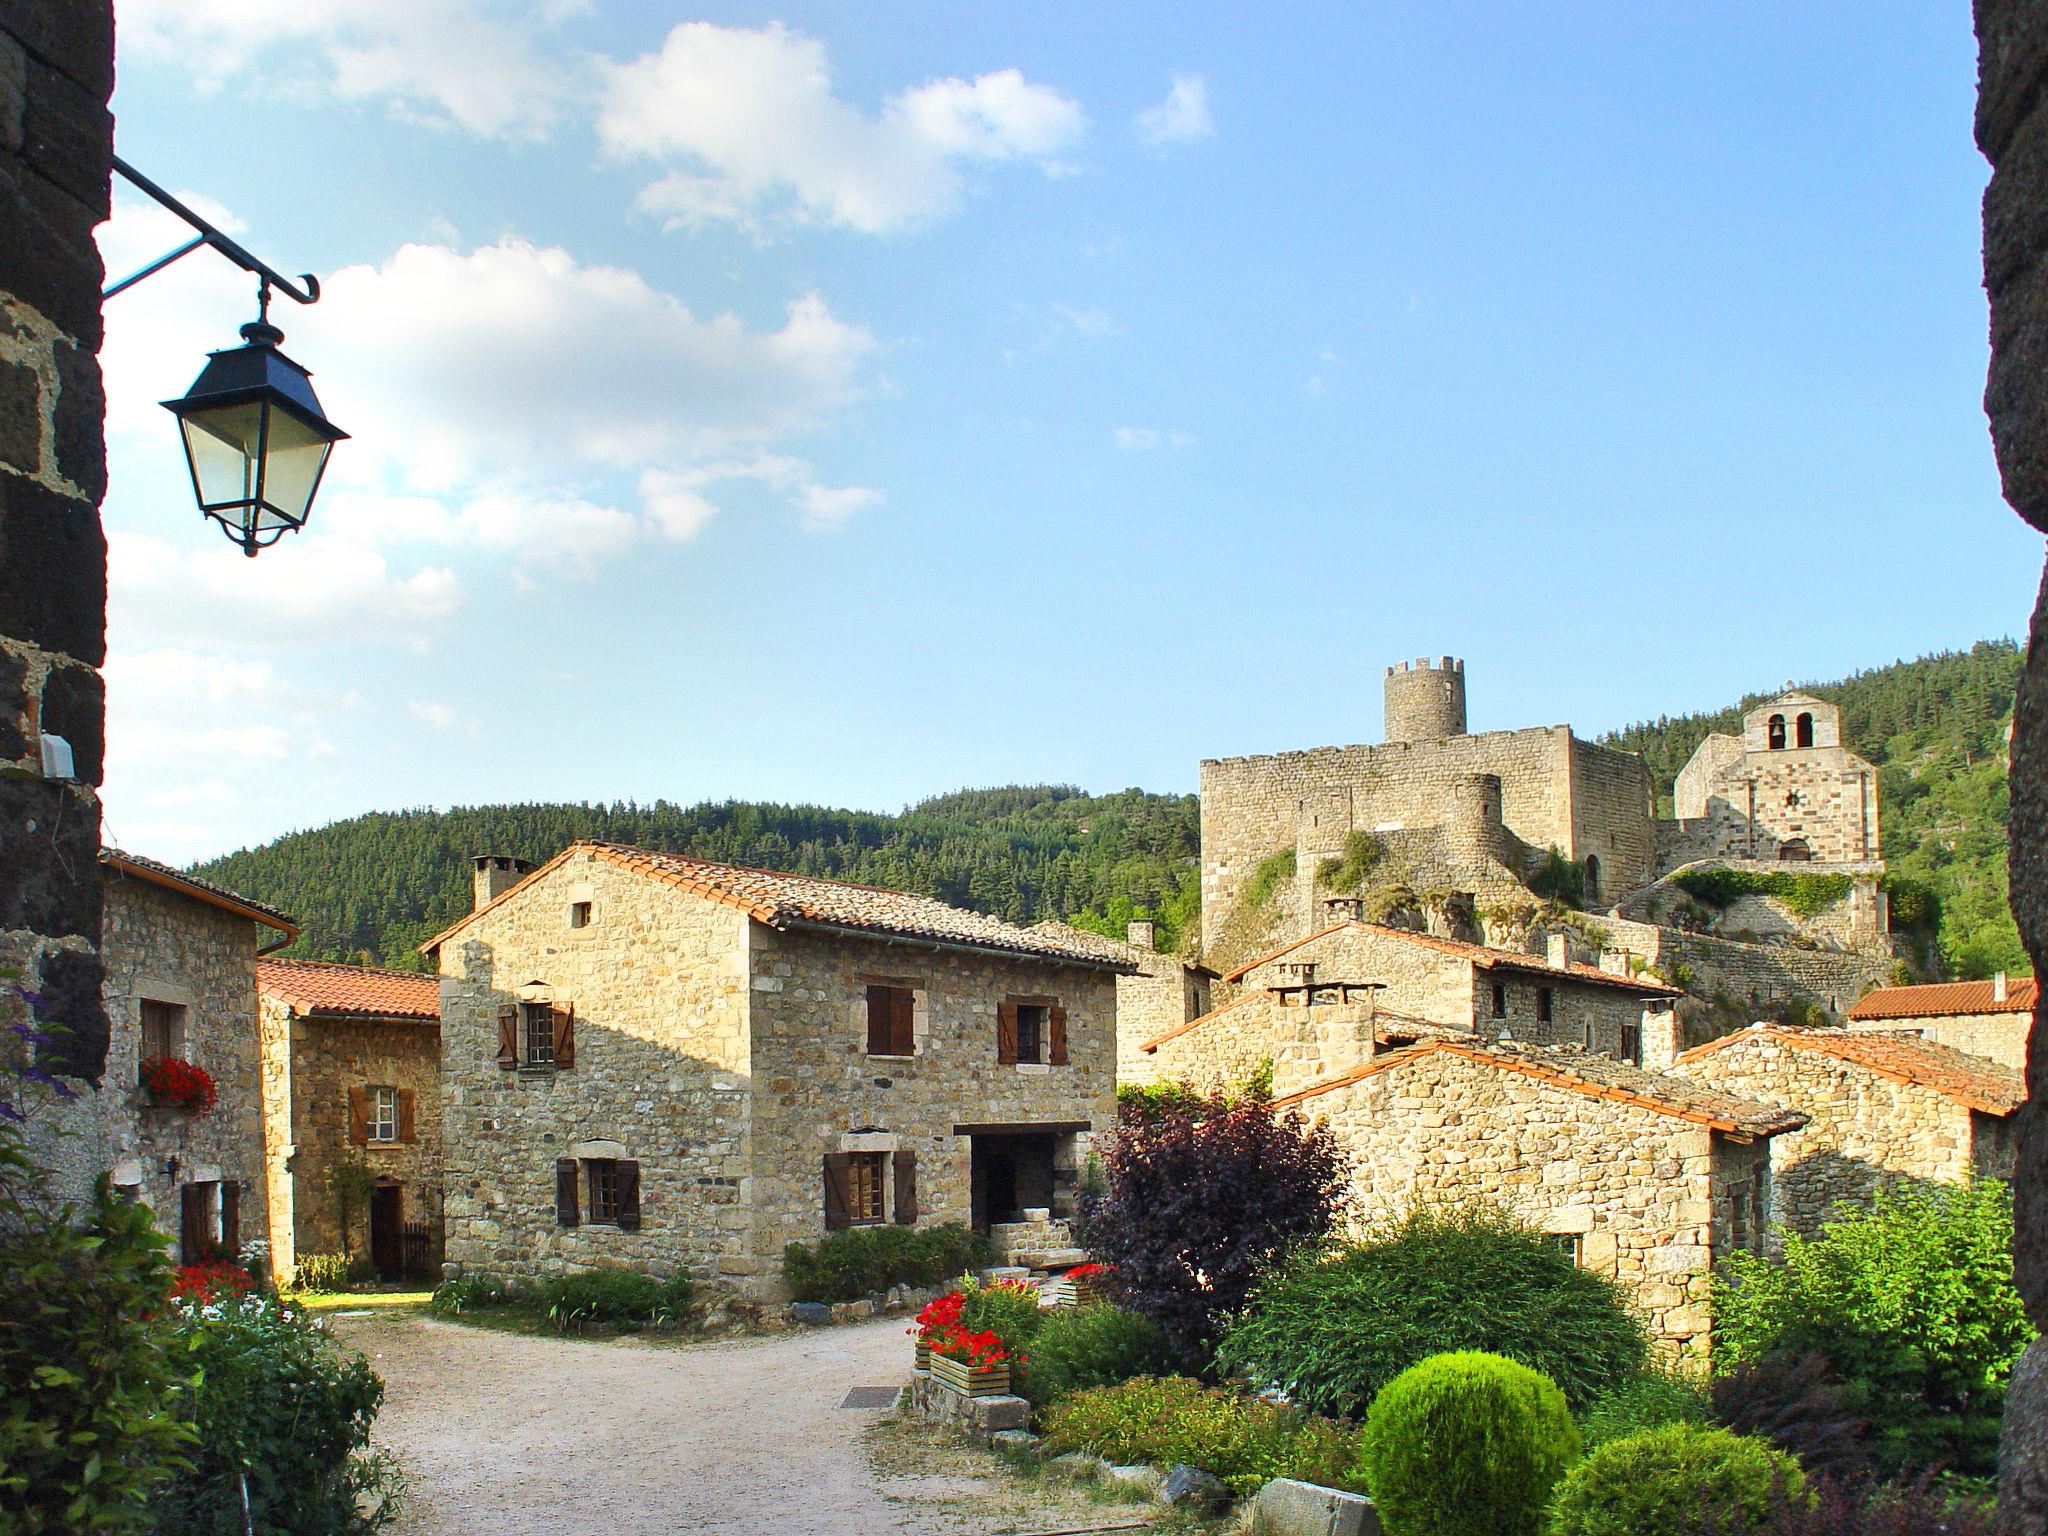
column 371, row 888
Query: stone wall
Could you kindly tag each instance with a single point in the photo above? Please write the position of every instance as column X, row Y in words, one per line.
column 1304, row 1044
column 1999, row 1037
column 1864, row 1130
column 1753, row 976
column 1752, row 804
column 56, row 144
column 1164, row 992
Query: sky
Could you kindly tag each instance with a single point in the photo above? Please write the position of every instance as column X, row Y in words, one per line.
column 851, row 403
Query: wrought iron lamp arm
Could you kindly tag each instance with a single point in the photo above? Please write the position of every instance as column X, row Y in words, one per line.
column 209, row 235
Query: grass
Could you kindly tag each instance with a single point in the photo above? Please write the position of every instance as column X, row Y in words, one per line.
column 348, row 1301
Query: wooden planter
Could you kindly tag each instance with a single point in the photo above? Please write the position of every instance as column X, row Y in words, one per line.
column 974, row 1380
column 1085, row 1292
column 924, row 1355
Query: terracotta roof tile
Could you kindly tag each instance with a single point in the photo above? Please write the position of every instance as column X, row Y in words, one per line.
column 1970, row 1080
column 316, row 986
column 1115, row 949
column 1944, row 998
column 1481, row 956
column 1596, row 1076
column 135, row 865
column 808, row 901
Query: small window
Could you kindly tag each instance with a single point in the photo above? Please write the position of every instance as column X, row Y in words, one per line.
column 579, row 914
column 537, row 1023
column 1500, row 1000
column 160, row 1030
column 1632, row 1044
column 383, row 1114
column 603, row 1175
column 864, row 1187
column 1031, row 1031
column 892, row 1014
column 1592, row 874
column 1571, row 1244
column 1586, row 1035
column 1543, row 1008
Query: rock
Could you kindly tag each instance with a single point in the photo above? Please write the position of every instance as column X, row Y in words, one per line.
column 990, row 1415
column 1005, row 1272
column 1192, row 1488
column 1020, row 1443
column 1285, row 1507
column 810, row 1312
column 1050, row 1258
column 2023, row 1445
column 1146, row 1479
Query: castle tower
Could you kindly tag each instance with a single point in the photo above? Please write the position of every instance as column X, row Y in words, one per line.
column 1472, row 824
column 1426, row 699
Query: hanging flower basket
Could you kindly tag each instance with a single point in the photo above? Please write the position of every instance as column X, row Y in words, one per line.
column 174, row 1083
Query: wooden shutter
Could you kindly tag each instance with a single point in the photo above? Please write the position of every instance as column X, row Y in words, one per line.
column 881, row 1021
column 906, row 1188
column 838, row 1191
column 193, row 1238
column 359, row 1115
column 406, row 1129
column 1006, row 1033
column 629, row 1196
column 904, row 1031
column 230, row 1217
column 566, row 1171
column 508, row 1038
column 565, row 1034
column 1056, row 1036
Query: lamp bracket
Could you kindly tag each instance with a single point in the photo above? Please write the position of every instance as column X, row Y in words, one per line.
column 209, row 235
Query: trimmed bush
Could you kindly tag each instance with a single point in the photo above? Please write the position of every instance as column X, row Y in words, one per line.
column 1684, row 1477
column 619, row 1298
column 1466, row 1444
column 1650, row 1400
column 1332, row 1328
column 1244, row 1441
column 861, row 1261
column 1079, row 1348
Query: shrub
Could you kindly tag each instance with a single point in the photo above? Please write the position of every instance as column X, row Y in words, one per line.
column 280, row 1403
column 620, row 1298
column 1654, row 1397
column 322, row 1272
column 1466, row 1444
column 861, row 1261
column 1007, row 1308
column 1829, row 1507
column 1661, row 1481
column 1795, row 1402
column 1557, row 878
column 1099, row 1345
column 1204, row 1195
column 1244, row 1441
column 471, row 1293
column 1268, row 875
column 1913, row 1302
column 1332, row 1329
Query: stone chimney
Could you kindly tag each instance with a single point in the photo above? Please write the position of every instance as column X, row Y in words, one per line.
column 1998, row 988
column 1660, row 1037
column 1560, row 945
column 497, row 873
column 1139, row 935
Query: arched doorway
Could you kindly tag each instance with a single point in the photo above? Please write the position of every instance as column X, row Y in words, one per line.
column 1592, row 874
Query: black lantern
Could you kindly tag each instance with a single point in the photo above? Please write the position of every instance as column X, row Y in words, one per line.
column 255, row 438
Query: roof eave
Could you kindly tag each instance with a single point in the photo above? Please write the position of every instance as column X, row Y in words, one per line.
column 206, row 895
column 1073, row 961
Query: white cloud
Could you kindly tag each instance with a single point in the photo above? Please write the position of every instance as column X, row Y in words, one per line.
column 829, row 506
column 763, row 139
column 489, row 67
column 1139, row 439
column 432, row 711
column 1092, row 322
column 1181, row 117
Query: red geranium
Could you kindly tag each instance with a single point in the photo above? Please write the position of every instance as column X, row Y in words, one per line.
column 940, row 1315
column 977, row 1349
column 180, row 1083
column 202, row 1284
column 1087, row 1271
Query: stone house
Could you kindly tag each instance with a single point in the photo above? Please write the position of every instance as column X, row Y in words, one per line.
column 180, row 982
column 1879, row 1109
column 352, row 1071
column 1164, row 992
column 1982, row 1018
column 664, row 1063
column 1642, row 1176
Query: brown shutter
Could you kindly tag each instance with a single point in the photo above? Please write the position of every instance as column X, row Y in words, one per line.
column 905, row 1021
column 838, row 1191
column 508, row 1038
column 359, row 1116
column 1006, row 1033
column 1056, row 1036
column 566, row 1171
column 192, row 1238
column 406, row 1130
column 881, row 1021
column 629, row 1196
column 906, row 1188
column 230, row 1217
column 565, row 1034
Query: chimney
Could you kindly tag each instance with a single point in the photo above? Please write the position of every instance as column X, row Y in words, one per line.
column 1659, row 1038
column 1138, row 935
column 497, row 873
column 1998, row 988
column 1560, row 949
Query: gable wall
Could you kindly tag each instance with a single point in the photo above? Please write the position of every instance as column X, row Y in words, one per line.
column 1999, row 1037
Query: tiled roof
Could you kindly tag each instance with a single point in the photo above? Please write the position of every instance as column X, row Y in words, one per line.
column 1588, row 1073
column 807, row 901
column 1486, row 959
column 1945, row 998
column 1114, row 949
column 315, row 986
column 135, row 866
column 1970, row 1080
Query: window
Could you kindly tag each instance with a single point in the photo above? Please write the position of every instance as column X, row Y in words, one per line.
column 604, row 1189
column 579, row 914
column 1030, row 1031
column 1632, row 1044
column 1803, row 730
column 1543, row 1008
column 1586, row 1035
column 541, row 1035
column 160, row 1030
column 1500, row 1000
column 609, row 1188
column 1775, row 733
column 1592, row 874
column 383, row 1114
column 1571, row 1244
column 538, row 1027
column 864, row 1187
column 892, row 1013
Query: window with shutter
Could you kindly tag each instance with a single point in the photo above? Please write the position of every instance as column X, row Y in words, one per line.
column 359, row 1116
column 537, row 1031
column 566, row 1213
column 604, row 1190
column 1032, row 1020
column 563, row 1034
column 1006, row 1033
column 162, row 1024
column 892, row 1013
column 629, row 1195
column 864, row 1174
column 231, row 1218
column 383, row 1116
column 838, row 1208
column 407, row 1128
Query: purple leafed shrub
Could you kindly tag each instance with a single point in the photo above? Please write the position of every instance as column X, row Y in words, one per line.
column 1794, row 1401
column 1830, row 1507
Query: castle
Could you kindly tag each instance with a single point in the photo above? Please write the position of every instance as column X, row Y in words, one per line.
column 1466, row 835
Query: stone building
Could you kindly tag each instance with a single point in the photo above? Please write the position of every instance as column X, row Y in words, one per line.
column 1880, row 1110
column 352, row 1073
column 180, row 963
column 659, row 1062
column 1785, row 789
column 1640, row 1175
column 1163, row 992
column 1983, row 1018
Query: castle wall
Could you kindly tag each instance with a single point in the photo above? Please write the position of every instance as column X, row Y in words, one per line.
column 1610, row 809
column 1754, row 975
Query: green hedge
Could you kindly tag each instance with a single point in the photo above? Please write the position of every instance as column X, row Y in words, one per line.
column 1684, row 1477
column 861, row 1261
column 1244, row 1441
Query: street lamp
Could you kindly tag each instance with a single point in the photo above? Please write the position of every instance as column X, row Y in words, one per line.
column 256, row 440
column 255, row 437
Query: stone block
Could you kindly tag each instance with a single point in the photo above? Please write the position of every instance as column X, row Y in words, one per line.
column 14, row 741
column 49, row 859
column 53, row 567
column 988, row 1415
column 1186, row 1487
column 47, row 251
column 1018, row 1443
column 73, row 1013
column 2012, row 62
column 1146, row 1479
column 21, row 417
column 13, row 93
column 1285, row 1507
column 81, row 421
column 812, row 1312
column 2017, row 406
column 67, row 136
column 76, row 38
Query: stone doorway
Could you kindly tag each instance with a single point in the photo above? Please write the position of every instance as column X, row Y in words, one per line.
column 1012, row 1172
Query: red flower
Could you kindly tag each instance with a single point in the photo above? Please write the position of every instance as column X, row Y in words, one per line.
column 940, row 1315
column 976, row 1349
column 1087, row 1271
column 202, row 1284
column 183, row 1084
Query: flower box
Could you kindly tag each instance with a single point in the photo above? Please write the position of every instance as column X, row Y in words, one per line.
column 924, row 1355
column 973, row 1380
column 171, row 1082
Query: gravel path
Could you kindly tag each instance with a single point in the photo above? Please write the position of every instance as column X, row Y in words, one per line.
column 511, row 1435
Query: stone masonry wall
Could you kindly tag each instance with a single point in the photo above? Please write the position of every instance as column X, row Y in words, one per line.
column 1823, row 796
column 1304, row 1044
column 1756, row 975
column 56, row 144
column 1611, row 802
column 1999, row 1037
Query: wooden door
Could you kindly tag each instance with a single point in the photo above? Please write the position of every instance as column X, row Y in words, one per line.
column 387, row 1228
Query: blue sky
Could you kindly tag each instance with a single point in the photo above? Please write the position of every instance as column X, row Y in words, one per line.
column 852, row 403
